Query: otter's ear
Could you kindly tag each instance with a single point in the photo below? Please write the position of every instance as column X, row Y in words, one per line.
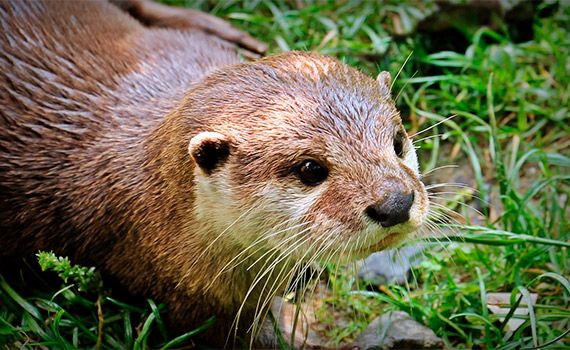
column 384, row 83
column 209, row 150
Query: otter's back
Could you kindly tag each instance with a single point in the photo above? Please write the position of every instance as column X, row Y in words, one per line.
column 73, row 64
column 78, row 78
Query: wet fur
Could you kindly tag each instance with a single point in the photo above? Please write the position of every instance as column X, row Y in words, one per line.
column 97, row 113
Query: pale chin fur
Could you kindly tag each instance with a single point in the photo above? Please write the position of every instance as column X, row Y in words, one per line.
column 277, row 211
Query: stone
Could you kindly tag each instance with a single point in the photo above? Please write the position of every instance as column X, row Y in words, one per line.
column 390, row 266
column 397, row 330
column 498, row 303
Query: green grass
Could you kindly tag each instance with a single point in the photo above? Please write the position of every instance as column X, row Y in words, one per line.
column 72, row 317
column 510, row 134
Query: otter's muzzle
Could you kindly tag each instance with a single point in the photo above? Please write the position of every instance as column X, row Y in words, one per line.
column 393, row 210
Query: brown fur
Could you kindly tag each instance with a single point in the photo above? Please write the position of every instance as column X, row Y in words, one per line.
column 97, row 112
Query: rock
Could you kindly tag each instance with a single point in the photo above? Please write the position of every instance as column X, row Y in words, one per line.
column 397, row 330
column 304, row 334
column 390, row 266
column 496, row 302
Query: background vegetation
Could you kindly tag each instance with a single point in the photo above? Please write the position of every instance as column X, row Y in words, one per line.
column 506, row 85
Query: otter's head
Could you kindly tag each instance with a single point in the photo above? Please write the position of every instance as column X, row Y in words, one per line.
column 303, row 154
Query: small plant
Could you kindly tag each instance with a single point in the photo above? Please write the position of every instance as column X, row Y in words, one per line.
column 86, row 278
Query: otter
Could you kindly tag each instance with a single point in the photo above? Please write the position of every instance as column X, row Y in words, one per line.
column 156, row 154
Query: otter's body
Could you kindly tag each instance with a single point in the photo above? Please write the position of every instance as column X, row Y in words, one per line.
column 83, row 86
column 157, row 157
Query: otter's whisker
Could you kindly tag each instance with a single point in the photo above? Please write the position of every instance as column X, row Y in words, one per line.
column 441, row 244
column 275, row 262
column 278, row 281
column 444, row 213
column 458, row 202
column 444, row 246
column 315, row 275
column 259, row 240
column 269, row 295
column 438, row 230
column 280, row 245
column 269, row 270
column 429, row 172
column 427, row 138
column 405, row 85
column 205, row 251
column 449, row 196
column 433, row 126
column 400, row 71
column 317, row 252
column 321, row 249
column 447, row 184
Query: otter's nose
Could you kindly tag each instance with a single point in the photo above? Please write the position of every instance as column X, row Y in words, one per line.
column 392, row 210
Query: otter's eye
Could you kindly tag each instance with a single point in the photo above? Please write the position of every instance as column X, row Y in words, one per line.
column 311, row 173
column 399, row 145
